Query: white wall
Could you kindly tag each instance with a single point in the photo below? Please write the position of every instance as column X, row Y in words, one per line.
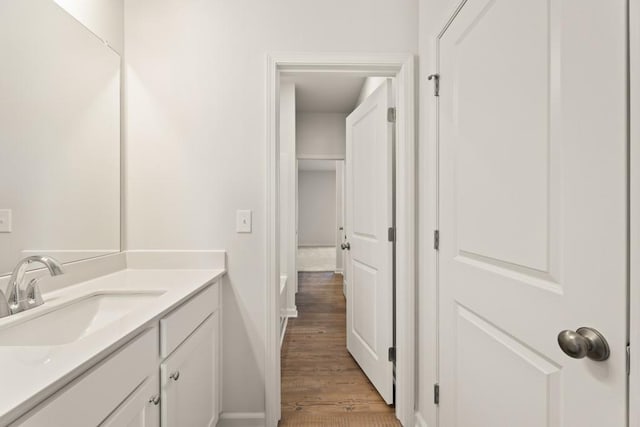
column 433, row 15
column 317, row 208
column 196, row 135
column 288, row 172
column 103, row 17
column 321, row 135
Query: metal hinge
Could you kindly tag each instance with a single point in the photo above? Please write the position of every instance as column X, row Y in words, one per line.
column 391, row 115
column 628, row 359
column 392, row 354
column 436, row 394
column 436, row 239
column 392, row 234
column 436, row 83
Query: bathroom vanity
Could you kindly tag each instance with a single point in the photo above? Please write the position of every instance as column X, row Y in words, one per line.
column 132, row 348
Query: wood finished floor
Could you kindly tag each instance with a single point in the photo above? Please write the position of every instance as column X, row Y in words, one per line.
column 321, row 383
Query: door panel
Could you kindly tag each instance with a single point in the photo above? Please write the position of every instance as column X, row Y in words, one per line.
column 189, row 379
column 141, row 409
column 532, row 212
column 369, row 214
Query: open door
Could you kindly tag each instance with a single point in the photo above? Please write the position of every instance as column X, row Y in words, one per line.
column 533, row 214
column 369, row 210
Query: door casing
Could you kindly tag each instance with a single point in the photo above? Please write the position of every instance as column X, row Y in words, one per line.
column 402, row 67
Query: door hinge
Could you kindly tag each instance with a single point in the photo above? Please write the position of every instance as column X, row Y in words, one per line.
column 392, row 354
column 628, row 360
column 436, row 240
column 436, row 83
column 436, row 394
column 391, row 115
column 392, row 234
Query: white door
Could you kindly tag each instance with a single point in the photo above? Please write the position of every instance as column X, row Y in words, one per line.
column 141, row 409
column 532, row 212
column 190, row 379
column 369, row 204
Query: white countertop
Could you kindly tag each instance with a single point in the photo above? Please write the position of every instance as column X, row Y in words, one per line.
column 30, row 374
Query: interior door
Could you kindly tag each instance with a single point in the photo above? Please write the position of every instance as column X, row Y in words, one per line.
column 369, row 204
column 532, row 213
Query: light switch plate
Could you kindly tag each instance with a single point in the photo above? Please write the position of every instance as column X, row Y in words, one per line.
column 243, row 221
column 5, row 221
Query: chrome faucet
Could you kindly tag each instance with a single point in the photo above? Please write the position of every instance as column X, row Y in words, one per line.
column 18, row 300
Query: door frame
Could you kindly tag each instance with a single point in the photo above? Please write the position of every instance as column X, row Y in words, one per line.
column 633, row 27
column 402, row 67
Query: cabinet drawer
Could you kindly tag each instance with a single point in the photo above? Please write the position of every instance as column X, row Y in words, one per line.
column 89, row 399
column 180, row 323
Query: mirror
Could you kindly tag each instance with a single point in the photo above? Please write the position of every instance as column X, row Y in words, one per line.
column 59, row 137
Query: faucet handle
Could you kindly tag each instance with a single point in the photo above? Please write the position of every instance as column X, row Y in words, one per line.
column 34, row 296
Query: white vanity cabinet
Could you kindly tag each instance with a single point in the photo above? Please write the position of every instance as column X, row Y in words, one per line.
column 189, row 396
column 167, row 376
column 189, row 372
column 141, row 409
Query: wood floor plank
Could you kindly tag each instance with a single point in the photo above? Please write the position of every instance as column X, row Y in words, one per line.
column 322, row 385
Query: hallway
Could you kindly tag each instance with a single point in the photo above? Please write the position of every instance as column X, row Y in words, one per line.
column 321, row 383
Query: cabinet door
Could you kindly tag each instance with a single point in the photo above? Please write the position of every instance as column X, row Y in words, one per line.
column 189, row 379
column 141, row 409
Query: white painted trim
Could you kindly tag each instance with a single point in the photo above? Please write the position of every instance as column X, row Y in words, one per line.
column 283, row 329
column 177, row 259
column 420, row 422
column 320, row 157
column 290, row 312
column 401, row 66
column 315, row 245
column 272, row 349
column 634, row 211
column 339, row 271
column 241, row 419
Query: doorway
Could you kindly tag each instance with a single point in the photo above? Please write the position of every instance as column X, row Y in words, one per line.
column 400, row 68
column 320, row 216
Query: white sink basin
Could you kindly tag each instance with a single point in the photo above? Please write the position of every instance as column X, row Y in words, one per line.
column 73, row 320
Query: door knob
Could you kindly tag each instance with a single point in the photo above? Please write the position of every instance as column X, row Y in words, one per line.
column 346, row 246
column 585, row 342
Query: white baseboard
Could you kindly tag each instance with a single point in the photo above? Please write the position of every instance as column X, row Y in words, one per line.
column 241, row 419
column 420, row 422
column 177, row 259
column 289, row 312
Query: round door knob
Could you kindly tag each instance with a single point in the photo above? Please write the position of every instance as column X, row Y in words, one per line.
column 346, row 246
column 585, row 342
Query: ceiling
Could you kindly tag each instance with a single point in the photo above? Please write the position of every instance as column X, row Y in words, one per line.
column 322, row 92
column 317, row 165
